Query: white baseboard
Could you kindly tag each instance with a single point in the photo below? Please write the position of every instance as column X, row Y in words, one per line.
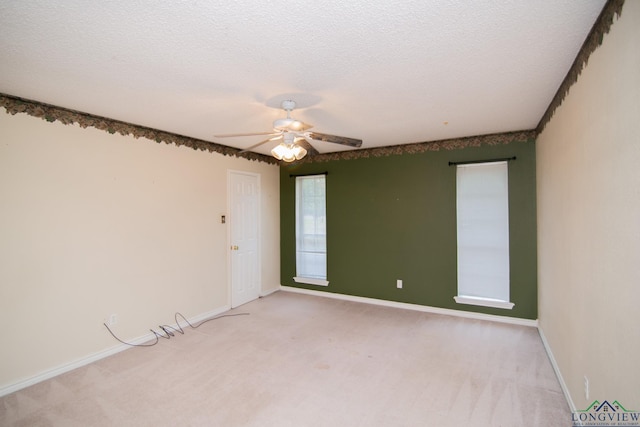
column 269, row 292
column 50, row 373
column 415, row 307
column 556, row 369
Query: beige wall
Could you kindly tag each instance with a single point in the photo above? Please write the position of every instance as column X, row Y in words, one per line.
column 588, row 168
column 93, row 224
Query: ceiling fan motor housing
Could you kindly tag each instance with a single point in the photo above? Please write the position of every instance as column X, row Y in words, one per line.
column 285, row 124
column 288, row 123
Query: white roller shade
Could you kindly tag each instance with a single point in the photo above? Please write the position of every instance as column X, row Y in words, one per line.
column 311, row 227
column 483, row 230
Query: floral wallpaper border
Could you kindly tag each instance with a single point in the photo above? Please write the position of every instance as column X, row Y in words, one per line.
column 51, row 113
column 592, row 42
column 422, row 147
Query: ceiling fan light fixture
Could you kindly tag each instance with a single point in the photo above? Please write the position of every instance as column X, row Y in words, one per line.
column 299, row 152
column 288, row 152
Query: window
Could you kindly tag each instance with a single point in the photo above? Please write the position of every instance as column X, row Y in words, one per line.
column 482, row 197
column 311, row 230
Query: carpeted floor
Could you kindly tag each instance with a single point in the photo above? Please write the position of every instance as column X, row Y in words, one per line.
column 300, row 360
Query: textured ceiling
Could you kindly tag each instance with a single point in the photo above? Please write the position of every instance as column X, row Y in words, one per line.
column 387, row 72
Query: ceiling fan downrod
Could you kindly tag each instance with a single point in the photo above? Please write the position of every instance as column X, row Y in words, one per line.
column 288, row 123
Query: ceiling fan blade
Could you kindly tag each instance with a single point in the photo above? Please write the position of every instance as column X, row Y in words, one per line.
column 228, row 135
column 305, row 143
column 259, row 144
column 351, row 142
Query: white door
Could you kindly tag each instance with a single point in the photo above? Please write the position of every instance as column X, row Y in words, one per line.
column 244, row 215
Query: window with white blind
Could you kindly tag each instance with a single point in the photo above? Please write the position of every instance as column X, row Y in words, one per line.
column 311, row 230
column 482, row 197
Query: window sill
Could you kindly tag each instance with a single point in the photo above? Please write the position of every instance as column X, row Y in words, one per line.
column 484, row 302
column 310, row 281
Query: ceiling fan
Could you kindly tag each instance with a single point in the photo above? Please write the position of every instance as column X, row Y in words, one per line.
column 295, row 135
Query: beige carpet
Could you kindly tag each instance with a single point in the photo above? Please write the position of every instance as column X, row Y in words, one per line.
column 300, row 360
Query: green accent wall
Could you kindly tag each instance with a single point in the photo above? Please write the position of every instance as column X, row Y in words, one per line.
column 394, row 217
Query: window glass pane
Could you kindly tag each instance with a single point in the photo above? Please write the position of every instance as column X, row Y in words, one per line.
column 311, row 227
column 483, row 230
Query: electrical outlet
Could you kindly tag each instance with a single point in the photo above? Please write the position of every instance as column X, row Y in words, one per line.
column 399, row 284
column 586, row 387
column 113, row 319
